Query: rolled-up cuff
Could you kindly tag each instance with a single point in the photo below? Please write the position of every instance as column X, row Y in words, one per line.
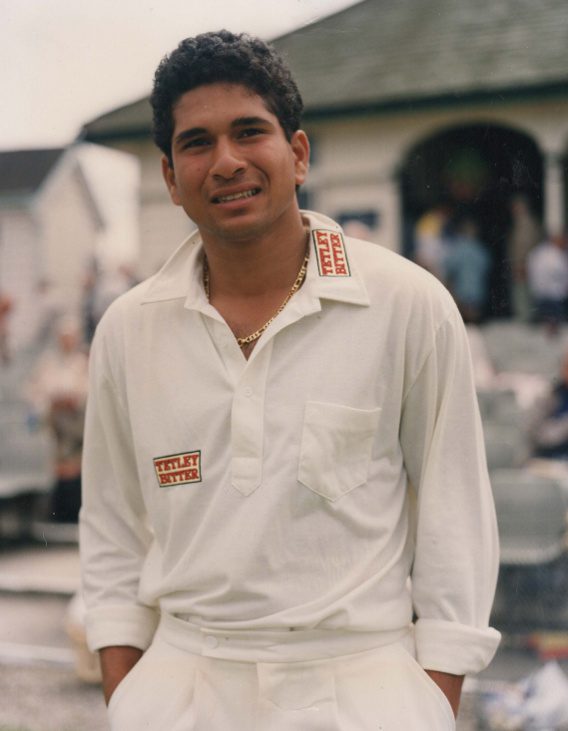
column 454, row 648
column 121, row 625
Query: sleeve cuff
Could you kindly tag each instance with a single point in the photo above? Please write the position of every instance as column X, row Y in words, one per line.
column 121, row 625
column 454, row 648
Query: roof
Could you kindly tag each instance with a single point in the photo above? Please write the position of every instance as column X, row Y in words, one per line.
column 379, row 54
column 378, row 51
column 23, row 171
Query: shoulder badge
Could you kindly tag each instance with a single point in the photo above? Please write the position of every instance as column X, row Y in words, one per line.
column 330, row 253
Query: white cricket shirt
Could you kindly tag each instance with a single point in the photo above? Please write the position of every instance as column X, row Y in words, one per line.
column 274, row 493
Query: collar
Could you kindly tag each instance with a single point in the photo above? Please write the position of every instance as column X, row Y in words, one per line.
column 181, row 276
column 333, row 273
column 332, row 270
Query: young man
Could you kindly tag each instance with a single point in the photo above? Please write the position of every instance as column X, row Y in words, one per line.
column 284, row 460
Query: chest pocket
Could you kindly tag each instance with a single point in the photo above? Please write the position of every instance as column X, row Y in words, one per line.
column 336, row 448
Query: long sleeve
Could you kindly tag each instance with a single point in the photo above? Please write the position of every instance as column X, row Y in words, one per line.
column 114, row 537
column 456, row 551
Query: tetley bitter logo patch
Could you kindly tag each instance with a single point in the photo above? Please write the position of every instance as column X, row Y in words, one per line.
column 330, row 253
column 178, row 469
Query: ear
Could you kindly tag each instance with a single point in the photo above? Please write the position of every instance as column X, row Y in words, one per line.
column 301, row 149
column 170, row 180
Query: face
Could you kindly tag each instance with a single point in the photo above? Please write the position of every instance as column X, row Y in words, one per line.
column 234, row 172
column 68, row 340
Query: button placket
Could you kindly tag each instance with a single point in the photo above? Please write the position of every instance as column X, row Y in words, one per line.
column 247, row 424
column 227, row 348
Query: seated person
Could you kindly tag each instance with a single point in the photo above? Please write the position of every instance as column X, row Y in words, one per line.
column 549, row 428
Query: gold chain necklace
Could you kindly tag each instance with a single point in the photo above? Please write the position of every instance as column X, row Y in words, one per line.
column 295, row 287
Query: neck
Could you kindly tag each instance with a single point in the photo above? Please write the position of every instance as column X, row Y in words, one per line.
column 250, row 284
column 257, row 266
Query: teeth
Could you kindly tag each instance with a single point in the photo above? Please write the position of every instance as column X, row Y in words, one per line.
column 236, row 196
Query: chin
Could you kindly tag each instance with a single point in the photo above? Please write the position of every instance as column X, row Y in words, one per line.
column 239, row 230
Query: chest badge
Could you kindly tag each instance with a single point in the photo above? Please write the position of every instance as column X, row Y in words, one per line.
column 178, row 469
column 330, row 253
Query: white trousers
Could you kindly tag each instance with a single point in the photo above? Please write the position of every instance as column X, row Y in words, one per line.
column 209, row 687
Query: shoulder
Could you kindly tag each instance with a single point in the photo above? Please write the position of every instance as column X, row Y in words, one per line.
column 413, row 305
column 389, row 275
column 395, row 286
column 119, row 327
column 126, row 306
column 170, row 283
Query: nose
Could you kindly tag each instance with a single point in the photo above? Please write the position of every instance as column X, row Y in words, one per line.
column 226, row 161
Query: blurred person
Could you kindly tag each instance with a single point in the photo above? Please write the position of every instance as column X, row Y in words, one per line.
column 258, row 411
column 549, row 424
column 92, row 273
column 103, row 286
column 49, row 312
column 357, row 230
column 547, row 273
column 57, row 391
column 430, row 239
column 525, row 233
column 6, row 306
column 466, row 270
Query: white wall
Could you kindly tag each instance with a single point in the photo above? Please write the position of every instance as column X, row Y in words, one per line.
column 68, row 237
column 163, row 226
column 20, row 272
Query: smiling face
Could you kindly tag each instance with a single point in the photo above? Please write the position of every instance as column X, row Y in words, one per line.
column 234, row 172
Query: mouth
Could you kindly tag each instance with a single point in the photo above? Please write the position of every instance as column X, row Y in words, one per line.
column 241, row 195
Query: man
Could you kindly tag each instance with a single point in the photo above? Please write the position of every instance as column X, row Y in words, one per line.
column 548, row 428
column 547, row 278
column 281, row 433
column 466, row 270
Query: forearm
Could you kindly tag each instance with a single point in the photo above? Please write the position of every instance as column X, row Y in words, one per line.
column 450, row 685
column 116, row 663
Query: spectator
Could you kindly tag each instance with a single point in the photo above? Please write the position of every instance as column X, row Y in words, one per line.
column 101, row 288
column 466, row 270
column 58, row 391
column 5, row 309
column 524, row 235
column 430, row 240
column 547, row 271
column 549, row 428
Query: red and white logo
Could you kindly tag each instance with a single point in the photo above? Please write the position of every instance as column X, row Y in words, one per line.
column 178, row 469
column 330, row 253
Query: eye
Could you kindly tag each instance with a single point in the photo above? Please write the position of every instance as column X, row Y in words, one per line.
column 195, row 143
column 250, row 132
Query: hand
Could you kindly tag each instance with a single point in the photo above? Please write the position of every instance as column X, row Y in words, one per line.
column 116, row 663
column 450, row 685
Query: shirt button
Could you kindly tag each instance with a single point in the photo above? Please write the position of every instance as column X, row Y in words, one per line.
column 211, row 642
column 248, row 391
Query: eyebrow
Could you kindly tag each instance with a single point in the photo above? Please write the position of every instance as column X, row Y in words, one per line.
column 246, row 121
column 188, row 134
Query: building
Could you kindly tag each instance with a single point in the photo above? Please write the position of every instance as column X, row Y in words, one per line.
column 410, row 105
column 49, row 222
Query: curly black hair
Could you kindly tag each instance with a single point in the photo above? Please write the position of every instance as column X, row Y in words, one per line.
column 223, row 57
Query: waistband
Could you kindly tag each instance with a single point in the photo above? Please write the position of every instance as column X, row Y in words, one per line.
column 273, row 645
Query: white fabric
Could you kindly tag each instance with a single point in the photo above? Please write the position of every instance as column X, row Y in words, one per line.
column 171, row 689
column 302, row 516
